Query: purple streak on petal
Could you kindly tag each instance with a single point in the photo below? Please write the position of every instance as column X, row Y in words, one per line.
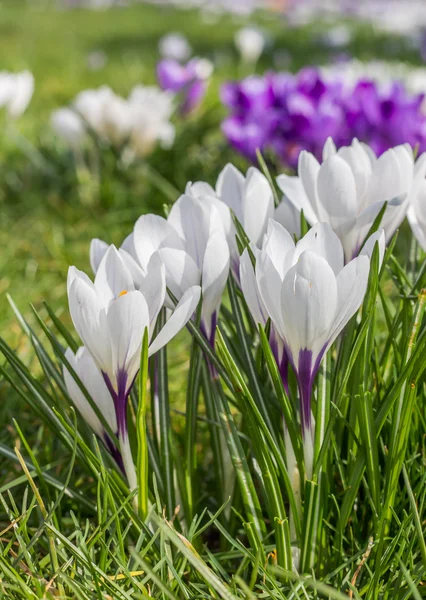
column 120, row 399
column 281, row 358
column 114, row 451
column 306, row 374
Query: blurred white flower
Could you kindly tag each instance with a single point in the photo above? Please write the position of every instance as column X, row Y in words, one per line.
column 338, row 36
column 97, row 60
column 16, row 90
column 150, row 110
column 176, row 46
column 250, row 43
column 139, row 122
column 104, row 112
column 69, row 126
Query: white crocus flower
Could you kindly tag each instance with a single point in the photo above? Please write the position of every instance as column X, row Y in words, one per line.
column 309, row 295
column 105, row 113
column 16, row 90
column 250, row 43
column 150, row 110
column 350, row 187
column 111, row 315
column 249, row 197
column 417, row 215
column 69, row 126
column 192, row 245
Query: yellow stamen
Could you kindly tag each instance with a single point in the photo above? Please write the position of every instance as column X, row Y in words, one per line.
column 122, row 293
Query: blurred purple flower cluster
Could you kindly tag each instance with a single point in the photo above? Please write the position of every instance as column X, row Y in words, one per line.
column 285, row 113
column 189, row 80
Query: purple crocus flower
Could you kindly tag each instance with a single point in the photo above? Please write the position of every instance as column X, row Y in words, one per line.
column 189, row 80
column 285, row 113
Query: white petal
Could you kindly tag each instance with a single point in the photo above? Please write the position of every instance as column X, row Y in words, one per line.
column 289, row 217
column 128, row 246
column 136, row 271
column 92, row 379
column 293, row 189
column 190, row 218
column 351, row 287
column 78, row 397
column 322, row 240
column 279, row 245
column 214, row 276
column 257, row 205
column 199, row 189
column 89, row 318
column 308, row 170
column 181, row 271
column 153, row 287
column 269, row 283
column 329, row 148
column 367, row 249
column 74, row 273
column 112, row 277
column 179, row 318
column 392, row 175
column 337, row 192
column 251, row 291
column 98, row 250
column 152, row 232
column 229, row 188
column 127, row 318
column 309, row 302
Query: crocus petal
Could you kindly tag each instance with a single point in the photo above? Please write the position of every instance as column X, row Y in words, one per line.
column 199, row 188
column 179, row 318
column 98, row 250
column 89, row 318
column 153, row 287
column 181, row 270
column 112, row 277
column 337, row 192
column 214, row 276
column 91, row 377
column 367, row 250
column 351, row 287
column 289, row 217
column 308, row 170
column 309, row 301
column 251, row 291
column 152, row 232
column 329, row 148
column 322, row 240
column 257, row 205
column 127, row 318
column 229, row 188
column 269, row 283
column 293, row 189
column 279, row 246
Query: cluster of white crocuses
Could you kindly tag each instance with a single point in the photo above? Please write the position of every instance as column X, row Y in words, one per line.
column 138, row 122
column 308, row 290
